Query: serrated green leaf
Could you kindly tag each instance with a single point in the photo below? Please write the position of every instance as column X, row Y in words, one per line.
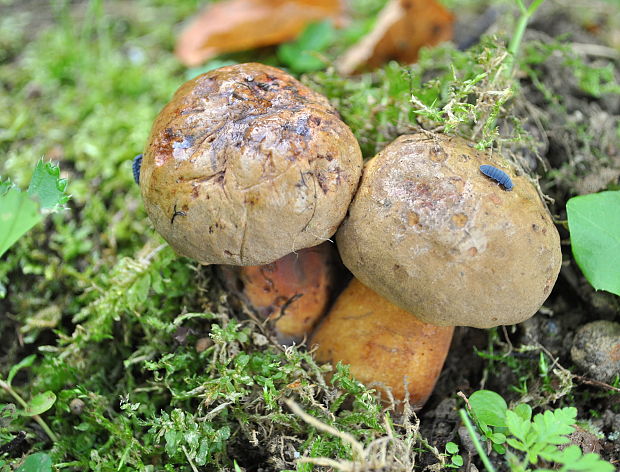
column 552, row 426
column 516, row 444
column 18, row 214
column 47, row 187
column 489, row 407
column 20, row 211
column 25, row 362
column 38, row 462
column 524, row 411
column 594, row 223
column 40, row 403
column 517, row 425
column 591, row 462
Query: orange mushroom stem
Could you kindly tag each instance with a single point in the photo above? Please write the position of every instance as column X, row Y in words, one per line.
column 385, row 346
column 292, row 293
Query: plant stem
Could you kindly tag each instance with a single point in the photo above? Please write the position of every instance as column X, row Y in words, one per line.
column 24, row 405
column 474, row 437
column 517, row 37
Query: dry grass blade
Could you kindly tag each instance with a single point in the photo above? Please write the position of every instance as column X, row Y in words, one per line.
column 387, row 453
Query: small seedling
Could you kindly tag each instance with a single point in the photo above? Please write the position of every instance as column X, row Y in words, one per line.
column 456, row 460
column 38, row 404
column 525, row 440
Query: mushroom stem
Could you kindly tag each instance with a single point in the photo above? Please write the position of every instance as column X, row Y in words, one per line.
column 291, row 293
column 384, row 344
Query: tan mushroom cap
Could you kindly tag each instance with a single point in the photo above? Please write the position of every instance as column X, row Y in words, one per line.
column 432, row 234
column 384, row 345
column 246, row 165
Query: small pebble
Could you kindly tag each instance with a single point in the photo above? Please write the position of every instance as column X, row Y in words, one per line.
column 596, row 350
column 76, row 406
column 202, row 344
column 466, row 441
column 259, row 339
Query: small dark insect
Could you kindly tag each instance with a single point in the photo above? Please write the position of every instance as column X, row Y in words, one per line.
column 176, row 213
column 137, row 163
column 497, row 174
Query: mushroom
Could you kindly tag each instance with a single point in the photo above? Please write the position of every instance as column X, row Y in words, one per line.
column 384, row 345
column 432, row 234
column 445, row 245
column 246, row 165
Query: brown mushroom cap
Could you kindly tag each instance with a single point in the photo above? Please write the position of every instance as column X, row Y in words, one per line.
column 432, row 234
column 246, row 165
column 382, row 343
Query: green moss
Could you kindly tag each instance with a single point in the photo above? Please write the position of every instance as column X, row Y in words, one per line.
column 113, row 315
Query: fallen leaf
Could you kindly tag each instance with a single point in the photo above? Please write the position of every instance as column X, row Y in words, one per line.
column 402, row 28
column 238, row 25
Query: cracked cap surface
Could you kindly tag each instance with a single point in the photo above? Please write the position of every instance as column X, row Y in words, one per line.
column 245, row 165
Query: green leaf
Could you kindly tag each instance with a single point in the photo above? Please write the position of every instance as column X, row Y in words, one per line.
column 518, row 426
column 594, row 223
column 40, row 403
column 489, row 407
column 524, row 411
column 20, row 211
column 47, row 187
column 38, row 462
column 18, row 214
column 514, row 443
column 499, row 448
column 591, row 462
column 451, row 448
column 25, row 362
column 298, row 55
column 457, row 460
column 552, row 426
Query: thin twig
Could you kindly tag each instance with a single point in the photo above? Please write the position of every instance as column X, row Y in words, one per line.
column 595, row 383
column 358, row 450
column 189, row 459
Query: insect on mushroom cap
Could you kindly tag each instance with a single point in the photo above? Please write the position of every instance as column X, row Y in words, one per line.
column 429, row 233
column 497, row 174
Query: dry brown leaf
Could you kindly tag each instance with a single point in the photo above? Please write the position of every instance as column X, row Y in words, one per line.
column 238, row 25
column 403, row 27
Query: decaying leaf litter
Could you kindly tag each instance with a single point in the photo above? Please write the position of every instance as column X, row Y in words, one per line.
column 138, row 285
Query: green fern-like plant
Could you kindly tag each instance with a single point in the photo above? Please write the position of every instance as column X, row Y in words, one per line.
column 525, row 440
